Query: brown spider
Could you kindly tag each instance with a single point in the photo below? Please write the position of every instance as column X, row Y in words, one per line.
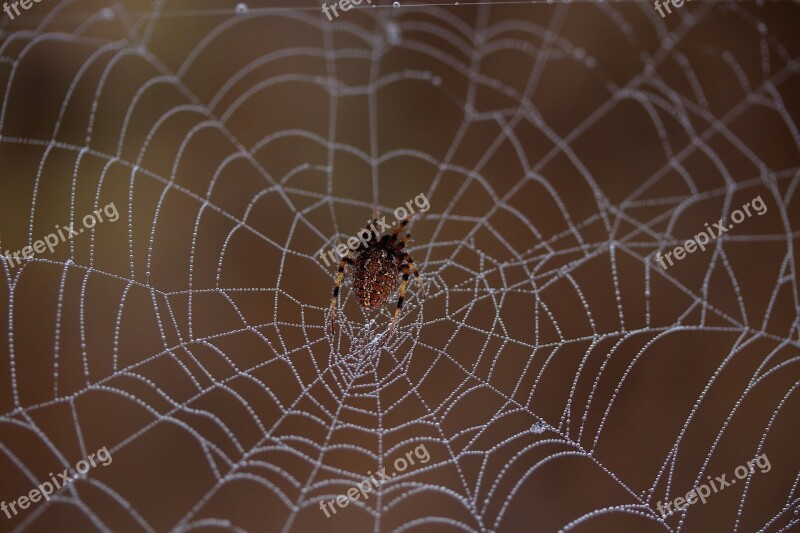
column 375, row 269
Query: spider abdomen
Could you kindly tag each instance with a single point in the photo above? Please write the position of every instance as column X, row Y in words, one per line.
column 374, row 277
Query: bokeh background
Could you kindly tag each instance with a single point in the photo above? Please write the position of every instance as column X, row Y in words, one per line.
column 559, row 378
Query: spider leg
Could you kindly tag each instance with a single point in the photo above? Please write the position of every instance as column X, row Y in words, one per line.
column 407, row 258
column 339, row 275
column 373, row 236
column 400, row 298
column 402, row 226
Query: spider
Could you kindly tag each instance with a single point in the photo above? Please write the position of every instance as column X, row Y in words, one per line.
column 375, row 269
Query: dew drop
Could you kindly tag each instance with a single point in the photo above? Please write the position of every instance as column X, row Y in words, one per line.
column 539, row 426
column 241, row 7
column 396, row 4
column 436, row 81
column 107, row 13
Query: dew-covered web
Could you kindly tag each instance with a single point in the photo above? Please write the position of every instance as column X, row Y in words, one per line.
column 558, row 377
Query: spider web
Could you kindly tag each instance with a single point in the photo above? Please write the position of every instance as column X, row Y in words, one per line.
column 558, row 376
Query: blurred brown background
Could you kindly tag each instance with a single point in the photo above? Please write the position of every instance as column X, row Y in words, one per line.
column 561, row 147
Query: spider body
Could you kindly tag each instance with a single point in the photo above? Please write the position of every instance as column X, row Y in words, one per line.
column 375, row 270
column 374, row 275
